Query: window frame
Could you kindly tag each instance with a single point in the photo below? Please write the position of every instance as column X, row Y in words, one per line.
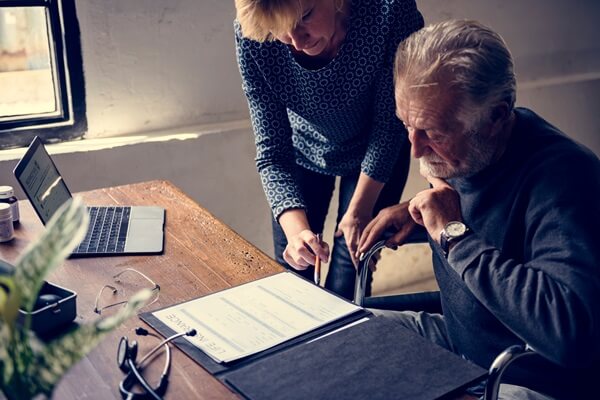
column 69, row 122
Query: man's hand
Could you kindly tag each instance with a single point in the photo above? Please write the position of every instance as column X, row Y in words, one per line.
column 434, row 208
column 396, row 217
column 301, row 249
column 351, row 226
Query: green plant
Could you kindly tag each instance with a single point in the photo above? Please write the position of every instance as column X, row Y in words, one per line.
column 29, row 366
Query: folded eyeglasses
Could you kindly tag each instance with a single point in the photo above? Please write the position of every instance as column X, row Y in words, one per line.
column 115, row 291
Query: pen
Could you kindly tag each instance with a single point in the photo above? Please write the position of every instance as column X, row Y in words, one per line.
column 318, row 264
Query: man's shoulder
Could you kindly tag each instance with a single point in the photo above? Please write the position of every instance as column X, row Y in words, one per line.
column 543, row 135
column 551, row 152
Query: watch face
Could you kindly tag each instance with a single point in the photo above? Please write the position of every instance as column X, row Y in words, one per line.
column 455, row 229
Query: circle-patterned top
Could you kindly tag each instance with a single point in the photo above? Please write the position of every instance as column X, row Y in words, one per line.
column 334, row 120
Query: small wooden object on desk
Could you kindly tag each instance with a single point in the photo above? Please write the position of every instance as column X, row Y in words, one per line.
column 318, row 264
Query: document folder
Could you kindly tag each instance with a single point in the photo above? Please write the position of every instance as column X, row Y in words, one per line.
column 284, row 306
column 355, row 357
column 378, row 359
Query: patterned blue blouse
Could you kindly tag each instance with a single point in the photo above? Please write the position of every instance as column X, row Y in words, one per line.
column 334, row 120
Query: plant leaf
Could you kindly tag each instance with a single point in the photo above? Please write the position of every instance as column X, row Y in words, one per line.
column 10, row 300
column 6, row 366
column 58, row 356
column 63, row 233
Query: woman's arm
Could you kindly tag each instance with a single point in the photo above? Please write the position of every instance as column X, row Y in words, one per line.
column 386, row 132
column 386, row 136
column 275, row 159
column 275, row 156
column 359, row 212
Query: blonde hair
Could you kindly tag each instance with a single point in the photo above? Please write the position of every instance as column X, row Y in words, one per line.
column 463, row 56
column 262, row 20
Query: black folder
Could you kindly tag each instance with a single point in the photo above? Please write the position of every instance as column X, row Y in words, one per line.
column 375, row 359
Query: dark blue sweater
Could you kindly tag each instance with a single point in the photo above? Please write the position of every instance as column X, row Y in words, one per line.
column 530, row 272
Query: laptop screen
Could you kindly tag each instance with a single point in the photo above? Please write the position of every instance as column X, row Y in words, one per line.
column 41, row 181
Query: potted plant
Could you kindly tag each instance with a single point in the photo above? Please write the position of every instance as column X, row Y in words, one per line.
column 29, row 366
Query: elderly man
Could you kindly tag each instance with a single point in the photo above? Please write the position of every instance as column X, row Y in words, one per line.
column 512, row 215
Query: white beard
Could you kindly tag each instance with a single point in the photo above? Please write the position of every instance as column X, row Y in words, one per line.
column 480, row 155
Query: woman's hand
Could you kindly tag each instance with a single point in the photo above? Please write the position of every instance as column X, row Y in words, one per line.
column 302, row 248
column 359, row 213
column 351, row 227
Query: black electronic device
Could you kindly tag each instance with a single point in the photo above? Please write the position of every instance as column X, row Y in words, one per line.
column 46, row 300
column 54, row 308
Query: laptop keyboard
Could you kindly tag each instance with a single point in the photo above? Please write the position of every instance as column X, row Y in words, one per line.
column 107, row 231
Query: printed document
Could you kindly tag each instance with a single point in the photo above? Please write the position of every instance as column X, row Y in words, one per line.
column 253, row 317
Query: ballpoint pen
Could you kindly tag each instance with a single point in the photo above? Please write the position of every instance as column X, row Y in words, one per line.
column 318, row 264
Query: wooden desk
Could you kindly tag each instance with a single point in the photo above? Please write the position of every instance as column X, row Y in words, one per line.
column 201, row 256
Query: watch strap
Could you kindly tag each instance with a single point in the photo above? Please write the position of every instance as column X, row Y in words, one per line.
column 446, row 240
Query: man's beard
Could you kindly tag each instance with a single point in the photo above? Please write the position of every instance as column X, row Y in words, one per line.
column 480, row 155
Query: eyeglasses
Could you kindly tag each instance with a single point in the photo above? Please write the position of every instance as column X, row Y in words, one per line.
column 115, row 291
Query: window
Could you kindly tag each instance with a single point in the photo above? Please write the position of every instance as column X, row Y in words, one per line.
column 41, row 73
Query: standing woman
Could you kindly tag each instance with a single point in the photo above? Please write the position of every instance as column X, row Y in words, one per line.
column 318, row 76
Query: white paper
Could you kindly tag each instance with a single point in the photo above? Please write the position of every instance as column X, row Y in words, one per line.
column 247, row 319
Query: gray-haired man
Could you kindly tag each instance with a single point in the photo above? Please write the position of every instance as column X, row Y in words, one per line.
column 512, row 214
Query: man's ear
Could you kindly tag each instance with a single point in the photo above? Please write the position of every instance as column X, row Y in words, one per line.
column 500, row 113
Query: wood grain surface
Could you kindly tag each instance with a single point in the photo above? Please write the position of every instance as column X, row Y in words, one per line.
column 202, row 255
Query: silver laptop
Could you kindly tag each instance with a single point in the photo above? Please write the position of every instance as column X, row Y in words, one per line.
column 113, row 230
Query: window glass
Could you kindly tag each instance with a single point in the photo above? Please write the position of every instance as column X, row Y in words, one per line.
column 42, row 90
column 26, row 73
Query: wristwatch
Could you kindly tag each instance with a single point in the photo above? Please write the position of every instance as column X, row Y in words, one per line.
column 452, row 233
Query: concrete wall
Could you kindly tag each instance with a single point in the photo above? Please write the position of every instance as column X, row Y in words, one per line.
column 216, row 169
column 152, row 65
column 557, row 55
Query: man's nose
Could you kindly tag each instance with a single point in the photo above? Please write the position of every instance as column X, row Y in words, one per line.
column 418, row 140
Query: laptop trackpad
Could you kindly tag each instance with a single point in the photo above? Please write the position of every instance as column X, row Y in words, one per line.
column 145, row 234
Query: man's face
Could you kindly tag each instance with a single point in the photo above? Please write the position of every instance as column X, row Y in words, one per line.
column 445, row 147
column 314, row 32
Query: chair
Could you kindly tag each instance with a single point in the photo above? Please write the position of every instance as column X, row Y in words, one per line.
column 429, row 302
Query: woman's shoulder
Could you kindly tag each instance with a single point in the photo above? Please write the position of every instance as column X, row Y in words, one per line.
column 396, row 15
column 394, row 19
column 393, row 8
column 239, row 36
column 254, row 46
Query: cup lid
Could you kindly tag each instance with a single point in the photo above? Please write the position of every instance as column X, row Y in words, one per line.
column 6, row 191
column 5, row 209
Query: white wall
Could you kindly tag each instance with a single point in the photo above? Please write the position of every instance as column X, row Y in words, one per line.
column 152, row 65
column 215, row 169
